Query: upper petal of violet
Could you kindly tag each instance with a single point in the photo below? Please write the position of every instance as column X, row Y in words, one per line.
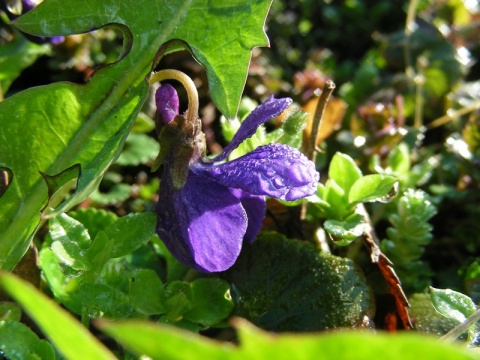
column 166, row 99
column 264, row 112
column 274, row 170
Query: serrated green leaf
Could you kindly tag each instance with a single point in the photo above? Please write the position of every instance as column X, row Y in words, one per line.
column 211, row 301
column 234, row 28
column 68, row 336
column 93, row 219
column 374, row 187
column 88, row 124
column 117, row 194
column 344, row 171
column 139, row 149
column 130, row 231
column 18, row 342
column 58, row 182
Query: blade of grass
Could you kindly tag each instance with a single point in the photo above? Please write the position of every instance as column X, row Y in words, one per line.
column 68, row 336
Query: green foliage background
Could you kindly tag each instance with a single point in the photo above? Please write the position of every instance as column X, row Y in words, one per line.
column 75, row 180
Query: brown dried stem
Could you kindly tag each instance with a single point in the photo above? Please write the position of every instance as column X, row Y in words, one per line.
column 317, row 118
column 386, row 268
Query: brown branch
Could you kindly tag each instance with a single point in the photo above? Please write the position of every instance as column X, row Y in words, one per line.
column 317, row 117
column 386, row 268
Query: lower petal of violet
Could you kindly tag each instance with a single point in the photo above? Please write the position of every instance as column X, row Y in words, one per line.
column 255, row 207
column 202, row 224
column 274, row 170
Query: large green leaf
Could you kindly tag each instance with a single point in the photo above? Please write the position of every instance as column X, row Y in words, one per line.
column 288, row 285
column 166, row 342
column 15, row 57
column 60, row 126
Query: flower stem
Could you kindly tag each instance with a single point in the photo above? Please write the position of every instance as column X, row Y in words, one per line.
column 317, row 118
column 188, row 84
column 410, row 27
column 452, row 115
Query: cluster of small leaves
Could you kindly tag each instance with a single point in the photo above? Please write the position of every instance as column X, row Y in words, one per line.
column 100, row 266
column 345, row 188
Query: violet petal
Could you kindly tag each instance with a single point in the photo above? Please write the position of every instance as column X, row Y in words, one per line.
column 274, row 170
column 255, row 207
column 264, row 112
column 202, row 224
column 166, row 99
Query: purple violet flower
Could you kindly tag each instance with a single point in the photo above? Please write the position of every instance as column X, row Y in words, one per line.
column 207, row 208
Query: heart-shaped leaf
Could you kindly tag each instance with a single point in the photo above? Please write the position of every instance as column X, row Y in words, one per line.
column 288, row 285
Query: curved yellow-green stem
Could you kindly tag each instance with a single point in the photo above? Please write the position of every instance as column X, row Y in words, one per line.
column 188, row 84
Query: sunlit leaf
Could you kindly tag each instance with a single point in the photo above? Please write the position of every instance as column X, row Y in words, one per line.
column 452, row 304
column 344, row 171
column 372, row 188
column 70, row 241
column 166, row 342
column 66, row 333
